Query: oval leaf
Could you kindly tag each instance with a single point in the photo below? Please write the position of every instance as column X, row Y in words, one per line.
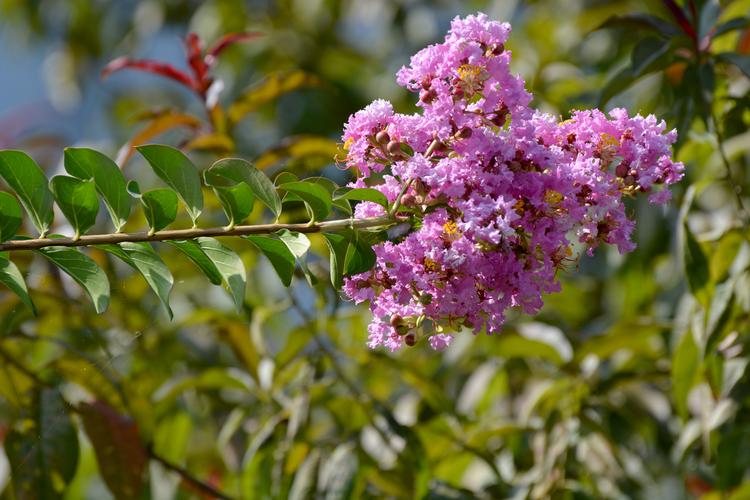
column 10, row 216
column 278, row 253
column 25, row 177
column 142, row 257
column 160, row 208
column 230, row 267
column 317, row 198
column 87, row 164
column 77, row 200
column 194, row 252
column 298, row 244
column 11, row 277
column 43, row 453
column 232, row 171
column 362, row 194
column 337, row 247
column 84, row 271
column 176, row 169
column 117, row 443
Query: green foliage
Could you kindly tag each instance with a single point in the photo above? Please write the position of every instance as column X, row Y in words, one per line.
column 633, row 382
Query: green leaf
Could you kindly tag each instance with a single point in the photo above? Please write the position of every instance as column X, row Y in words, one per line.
column 696, row 267
column 43, row 449
column 298, row 244
column 77, row 200
column 229, row 265
column 362, row 194
column 121, row 457
column 642, row 21
column 192, row 250
column 739, row 60
column 359, row 258
column 317, row 198
column 10, row 216
column 646, row 54
column 159, row 205
column 87, row 164
column 619, row 82
column 337, row 246
column 709, row 15
column 263, row 189
column 174, row 168
column 84, row 271
column 230, row 179
column 685, row 365
column 278, row 253
column 11, row 277
column 736, row 23
column 25, row 177
column 142, row 257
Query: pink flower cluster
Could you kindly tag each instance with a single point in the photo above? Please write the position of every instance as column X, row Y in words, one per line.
column 497, row 192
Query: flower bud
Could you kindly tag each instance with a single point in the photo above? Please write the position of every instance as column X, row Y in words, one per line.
column 396, row 320
column 402, row 330
column 464, row 133
column 629, row 180
column 621, row 170
column 410, row 339
column 408, row 200
column 382, row 137
column 427, row 95
column 394, row 147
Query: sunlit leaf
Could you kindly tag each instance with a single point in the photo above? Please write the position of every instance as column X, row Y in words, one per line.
column 142, row 257
column 159, row 205
column 314, row 149
column 194, row 252
column 88, row 164
column 174, row 168
column 25, row 177
column 11, row 277
column 685, row 366
column 362, row 194
column 268, row 90
column 84, row 271
column 298, row 244
column 10, row 216
column 316, row 197
column 229, row 265
column 159, row 124
column 216, row 143
column 77, row 201
column 278, row 254
column 231, row 180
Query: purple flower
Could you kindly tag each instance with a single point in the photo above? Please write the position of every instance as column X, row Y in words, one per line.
column 501, row 193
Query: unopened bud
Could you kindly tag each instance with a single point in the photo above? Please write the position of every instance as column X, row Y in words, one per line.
column 394, row 147
column 629, row 180
column 382, row 137
column 464, row 133
column 427, row 95
column 396, row 320
column 402, row 330
column 408, row 200
column 621, row 170
column 497, row 49
column 410, row 339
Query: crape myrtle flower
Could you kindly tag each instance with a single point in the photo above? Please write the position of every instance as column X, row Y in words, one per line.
column 498, row 192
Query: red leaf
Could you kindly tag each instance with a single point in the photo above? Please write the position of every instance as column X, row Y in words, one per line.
column 681, row 18
column 154, row 67
column 225, row 41
column 195, row 56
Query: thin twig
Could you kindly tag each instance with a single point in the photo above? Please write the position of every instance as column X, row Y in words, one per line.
column 187, row 477
column 186, row 234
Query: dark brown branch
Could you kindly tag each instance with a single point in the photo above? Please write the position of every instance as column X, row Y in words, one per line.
column 193, row 482
column 186, row 234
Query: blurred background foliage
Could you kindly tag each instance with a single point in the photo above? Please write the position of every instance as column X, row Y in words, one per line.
column 632, row 383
